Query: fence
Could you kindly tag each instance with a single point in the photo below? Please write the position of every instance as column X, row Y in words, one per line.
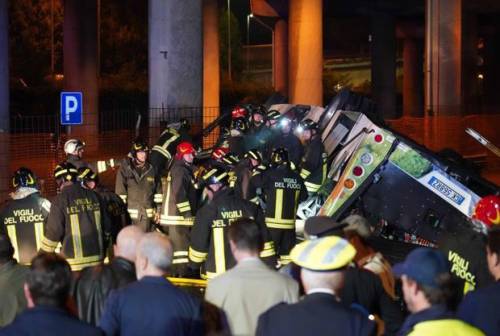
column 37, row 141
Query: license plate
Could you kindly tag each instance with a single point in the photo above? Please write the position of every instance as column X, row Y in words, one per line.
column 446, row 191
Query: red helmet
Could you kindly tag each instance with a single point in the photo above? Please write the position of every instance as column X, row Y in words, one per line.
column 238, row 112
column 488, row 210
column 219, row 153
column 184, row 147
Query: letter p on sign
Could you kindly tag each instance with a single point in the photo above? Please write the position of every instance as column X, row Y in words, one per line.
column 71, row 108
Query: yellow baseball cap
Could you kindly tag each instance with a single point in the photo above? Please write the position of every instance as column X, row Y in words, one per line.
column 323, row 254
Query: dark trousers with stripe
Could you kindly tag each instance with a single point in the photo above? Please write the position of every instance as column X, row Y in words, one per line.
column 284, row 240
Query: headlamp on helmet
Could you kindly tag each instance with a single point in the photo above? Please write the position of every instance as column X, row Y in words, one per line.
column 24, row 178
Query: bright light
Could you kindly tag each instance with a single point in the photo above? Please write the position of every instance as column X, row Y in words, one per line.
column 299, row 129
column 480, row 76
column 284, row 121
column 250, row 15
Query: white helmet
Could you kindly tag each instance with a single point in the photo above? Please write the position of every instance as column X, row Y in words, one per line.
column 73, row 145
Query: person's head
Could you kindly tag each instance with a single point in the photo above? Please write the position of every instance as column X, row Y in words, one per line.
column 126, row 242
column 238, row 126
column 245, row 238
column 258, row 117
column 279, row 157
column 65, row 174
column 357, row 225
column 426, row 279
column 214, row 180
column 272, row 118
column 154, row 255
column 322, row 226
column 140, row 150
column 323, row 261
column 486, row 213
column 185, row 152
column 493, row 252
column 6, row 250
column 285, row 124
column 254, row 157
column 48, row 281
column 74, row 147
column 87, row 178
column 306, row 130
column 24, row 178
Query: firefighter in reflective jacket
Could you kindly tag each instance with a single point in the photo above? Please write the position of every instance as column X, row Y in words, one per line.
column 165, row 147
column 288, row 140
column 241, row 180
column 179, row 205
column 283, row 189
column 138, row 187
column 23, row 218
column 314, row 166
column 209, row 246
column 78, row 220
column 116, row 208
column 74, row 149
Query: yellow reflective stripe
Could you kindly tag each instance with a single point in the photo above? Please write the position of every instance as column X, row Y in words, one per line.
column 279, row 220
column 220, row 258
column 77, row 264
column 180, row 253
column 46, row 205
column 209, row 275
column 312, row 187
column 268, row 245
column 166, row 203
column 180, row 261
column 174, row 137
column 101, row 166
column 38, row 235
column 150, row 212
column 76, row 236
column 48, row 245
column 304, row 173
column 267, row 253
column 11, row 231
column 280, row 226
column 97, row 216
column 285, row 259
column 112, row 163
column 185, row 222
column 278, row 205
column 325, row 172
column 158, row 198
column 124, row 198
column 182, row 204
column 468, row 287
column 162, row 151
column 197, row 256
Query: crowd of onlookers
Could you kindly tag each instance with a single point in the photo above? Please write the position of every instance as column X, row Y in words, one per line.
column 336, row 285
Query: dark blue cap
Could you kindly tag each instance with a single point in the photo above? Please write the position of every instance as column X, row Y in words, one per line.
column 423, row 265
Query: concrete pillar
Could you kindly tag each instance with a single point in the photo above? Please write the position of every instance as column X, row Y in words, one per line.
column 384, row 64
column 412, row 78
column 305, row 45
column 443, row 92
column 4, row 101
column 211, row 67
column 471, row 85
column 175, row 57
column 80, row 64
column 280, row 61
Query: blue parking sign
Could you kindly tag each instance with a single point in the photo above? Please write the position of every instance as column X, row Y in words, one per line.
column 71, row 108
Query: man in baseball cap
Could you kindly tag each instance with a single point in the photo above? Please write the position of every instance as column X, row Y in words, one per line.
column 427, row 292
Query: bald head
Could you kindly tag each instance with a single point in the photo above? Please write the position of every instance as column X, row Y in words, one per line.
column 127, row 241
column 154, row 255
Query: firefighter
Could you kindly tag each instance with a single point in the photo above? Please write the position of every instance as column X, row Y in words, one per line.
column 466, row 246
column 23, row 218
column 78, row 220
column 237, row 141
column 138, row 187
column 164, row 150
column 283, row 189
column 288, row 140
column 242, row 173
column 179, row 205
column 314, row 166
column 74, row 149
column 116, row 208
column 257, row 121
column 267, row 134
column 209, row 246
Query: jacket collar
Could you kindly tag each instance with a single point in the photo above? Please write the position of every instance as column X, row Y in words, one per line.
column 435, row 312
column 124, row 264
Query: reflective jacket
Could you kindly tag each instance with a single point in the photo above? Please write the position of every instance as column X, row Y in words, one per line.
column 23, row 220
column 292, row 145
column 117, row 211
column 283, row 189
column 165, row 148
column 314, row 167
column 99, row 166
column 209, row 241
column 241, row 180
column 450, row 327
column 78, row 220
column 138, row 188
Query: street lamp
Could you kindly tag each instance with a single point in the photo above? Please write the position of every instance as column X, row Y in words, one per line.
column 249, row 16
column 229, row 39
